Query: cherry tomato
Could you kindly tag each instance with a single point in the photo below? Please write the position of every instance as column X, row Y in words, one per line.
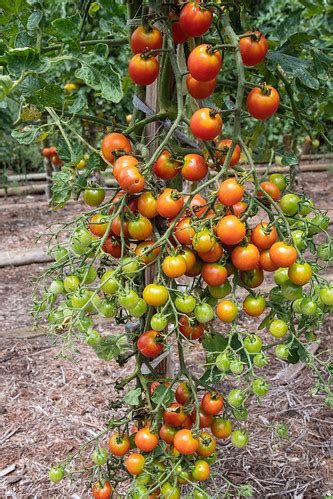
column 214, row 274
column 265, row 262
column 174, row 414
column 131, row 180
column 281, row 276
column 145, row 440
column 169, row 203
column 194, row 19
column 185, row 303
column 205, row 124
column 71, row 283
column 191, row 330
column 207, row 444
column 135, row 463
column 56, row 161
column 221, row 428
column 118, row 226
column 185, row 443
column 226, row 311
column 183, row 393
column 230, row 192
column 300, row 273
column 279, row 180
column 223, row 147
column 194, row 167
column 144, row 255
column 166, row 167
column 119, row 444
column 143, row 69
column 282, row 254
column 231, row 230
column 254, row 305
column 94, row 197
column 102, row 490
column 170, row 491
column 308, row 307
column 239, row 438
column 245, row 257
column 120, row 165
column 112, row 247
column 238, row 208
column 289, row 204
column 282, row 351
column 253, row 48
column 270, row 189
column 262, row 103
column 200, row 89
column 253, row 343
column 178, row 35
column 145, row 37
column 326, row 295
column 147, row 205
column 201, row 471
column 203, row 313
column 220, row 291
column 184, row 232
column 252, row 278
column 115, row 142
column 150, row 343
column 205, row 420
column 140, row 228
column 167, row 433
column 263, row 235
column 290, row 291
column 204, row 63
column 56, row 474
column 212, row 403
column 203, row 241
column 174, row 266
column 190, row 259
column 278, row 328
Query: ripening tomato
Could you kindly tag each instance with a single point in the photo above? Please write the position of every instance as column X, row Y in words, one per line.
column 118, row 226
column 169, row 203
column 166, row 167
column 253, row 48
column 282, row 254
column 115, row 142
column 300, row 273
column 205, row 420
column 112, row 246
column 145, row 37
column 121, row 164
column 264, row 235
column 262, row 103
column 223, row 147
column 205, row 124
column 94, row 197
column 213, row 255
column 183, row 232
column 252, row 278
column 140, row 228
column 214, row 274
column 265, row 261
column 150, row 343
column 174, row 266
column 198, row 205
column 221, row 428
column 47, row 153
column 135, row 463
column 145, row 440
column 101, row 490
column 254, row 305
column 231, row 230
column 271, row 189
column 143, row 69
column 194, row 167
column 190, row 259
column 207, row 444
column 185, row 443
column 203, row 241
column 155, row 295
column 119, row 444
column 200, row 471
column 144, row 255
column 204, row 63
column 200, row 89
column 230, row 192
column 174, row 414
column 237, row 209
column 245, row 257
column 147, row 205
column 183, row 392
column 195, row 19
column 131, row 180
column 226, row 311
column 167, row 433
column 98, row 224
column 56, row 161
column 178, row 34
column 212, row 403
column 191, row 330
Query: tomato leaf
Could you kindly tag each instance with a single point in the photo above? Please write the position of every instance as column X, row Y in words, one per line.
column 50, row 96
column 110, row 347
column 25, row 135
column 215, row 342
column 160, row 393
column 132, row 397
column 289, row 160
column 25, row 59
column 5, row 86
column 67, row 29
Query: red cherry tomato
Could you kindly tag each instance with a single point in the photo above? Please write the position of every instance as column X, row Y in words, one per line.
column 200, row 89
column 191, row 330
column 194, row 167
column 262, row 103
column 194, row 19
column 150, row 343
column 145, row 37
column 206, row 124
column 224, row 146
column 115, row 142
column 143, row 69
column 253, row 48
column 204, row 62
column 166, row 167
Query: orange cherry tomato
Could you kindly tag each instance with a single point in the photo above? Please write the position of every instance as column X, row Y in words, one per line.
column 191, row 330
column 115, row 142
column 122, row 163
column 145, row 440
column 169, row 203
column 149, row 256
column 230, row 192
column 166, row 167
column 145, row 37
column 262, row 103
column 200, row 89
column 98, row 224
column 143, row 69
column 231, row 230
column 264, row 235
column 119, row 444
column 206, row 124
column 213, row 255
column 226, row 311
column 282, row 254
column 185, row 443
column 174, row 414
column 147, row 205
column 174, row 266
column 194, row 167
column 271, row 189
column 266, row 263
column 184, row 233
column 223, row 148
column 212, row 403
column 245, row 257
column 135, row 463
column 214, row 274
column 204, row 62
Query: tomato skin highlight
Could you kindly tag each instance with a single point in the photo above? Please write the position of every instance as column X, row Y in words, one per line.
column 204, row 63
column 205, row 125
column 143, row 70
column 200, row 89
column 253, row 51
column 195, row 20
column 263, row 105
column 145, row 38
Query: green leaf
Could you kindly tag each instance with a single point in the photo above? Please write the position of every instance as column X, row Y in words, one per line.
column 50, row 96
column 78, row 105
column 61, row 189
column 5, row 86
column 67, row 29
column 159, row 394
column 293, row 65
column 211, row 376
column 34, row 20
column 289, row 160
column 94, row 7
column 216, row 342
column 26, row 59
column 132, row 397
column 13, row 7
column 25, row 135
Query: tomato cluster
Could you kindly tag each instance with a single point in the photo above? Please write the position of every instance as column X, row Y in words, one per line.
column 51, row 154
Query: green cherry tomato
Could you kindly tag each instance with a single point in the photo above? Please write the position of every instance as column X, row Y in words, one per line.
column 220, row 291
column 143, row 479
column 107, row 308
column 100, row 456
column 289, row 204
column 325, row 251
column 259, row 387
column 71, row 283
column 236, row 397
column 128, row 299
column 140, row 309
column 282, row 351
column 296, row 306
column 317, row 224
column 109, row 283
column 253, row 343
column 139, row 492
column 236, row 366
column 185, row 303
column 260, row 360
column 81, row 298
column 306, row 207
column 170, row 491
column 281, row 276
column 56, row 474
column 158, row 322
column 299, row 239
column 129, row 266
column 56, row 287
column 308, row 307
column 239, row 438
column 82, row 237
column 60, row 254
column 326, row 295
column 291, row 291
column 94, row 197
column 200, row 494
column 84, row 323
column 222, row 362
column 203, row 313
column 93, row 338
column 88, row 275
column 279, row 180
column 278, row 328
